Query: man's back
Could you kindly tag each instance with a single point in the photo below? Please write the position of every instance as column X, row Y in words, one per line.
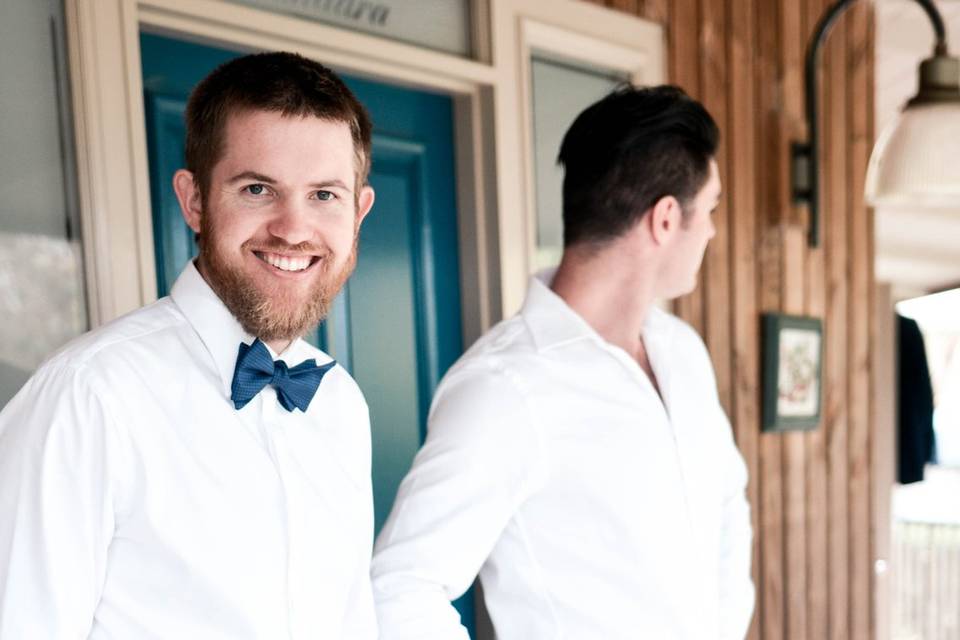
column 595, row 509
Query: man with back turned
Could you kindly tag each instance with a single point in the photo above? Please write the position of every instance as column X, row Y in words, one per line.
column 577, row 455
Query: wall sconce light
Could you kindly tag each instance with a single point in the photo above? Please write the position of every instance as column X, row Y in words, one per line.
column 916, row 161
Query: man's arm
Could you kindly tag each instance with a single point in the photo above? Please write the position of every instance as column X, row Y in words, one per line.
column 481, row 460
column 736, row 585
column 56, row 513
column 360, row 618
column 736, row 537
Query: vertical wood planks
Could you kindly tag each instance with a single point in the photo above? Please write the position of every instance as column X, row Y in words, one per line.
column 655, row 10
column 741, row 142
column 834, row 211
column 810, row 493
column 859, row 144
column 770, row 590
column 685, row 71
column 716, row 269
column 818, row 577
column 794, row 467
column 794, row 264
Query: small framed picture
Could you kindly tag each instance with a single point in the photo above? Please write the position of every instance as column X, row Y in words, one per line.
column 792, row 372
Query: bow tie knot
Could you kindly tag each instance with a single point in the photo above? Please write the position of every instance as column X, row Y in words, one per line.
column 256, row 369
column 280, row 372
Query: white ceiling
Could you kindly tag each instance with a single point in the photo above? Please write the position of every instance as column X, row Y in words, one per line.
column 916, row 251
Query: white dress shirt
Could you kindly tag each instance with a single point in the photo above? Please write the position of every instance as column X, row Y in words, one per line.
column 136, row 502
column 589, row 507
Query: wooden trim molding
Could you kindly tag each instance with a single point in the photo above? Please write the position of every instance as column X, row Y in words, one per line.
column 111, row 156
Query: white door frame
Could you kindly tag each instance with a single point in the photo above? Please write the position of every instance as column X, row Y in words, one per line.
column 492, row 122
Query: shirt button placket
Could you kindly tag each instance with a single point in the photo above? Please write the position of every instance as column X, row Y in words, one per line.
column 272, row 424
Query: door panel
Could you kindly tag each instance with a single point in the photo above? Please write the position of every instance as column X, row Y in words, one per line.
column 173, row 239
column 391, row 368
column 396, row 325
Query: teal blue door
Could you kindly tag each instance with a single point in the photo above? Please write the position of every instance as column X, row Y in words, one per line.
column 396, row 325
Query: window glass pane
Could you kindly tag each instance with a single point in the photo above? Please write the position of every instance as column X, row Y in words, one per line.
column 560, row 92
column 42, row 300
column 436, row 24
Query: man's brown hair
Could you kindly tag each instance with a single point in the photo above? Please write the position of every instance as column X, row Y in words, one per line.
column 281, row 82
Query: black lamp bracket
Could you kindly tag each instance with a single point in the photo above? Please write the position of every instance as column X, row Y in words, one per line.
column 805, row 170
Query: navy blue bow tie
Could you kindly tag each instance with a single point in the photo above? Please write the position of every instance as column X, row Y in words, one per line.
column 256, row 369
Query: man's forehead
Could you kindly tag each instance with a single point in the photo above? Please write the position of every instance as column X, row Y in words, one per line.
column 247, row 120
column 259, row 139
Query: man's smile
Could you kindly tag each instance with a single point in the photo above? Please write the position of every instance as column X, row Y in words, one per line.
column 287, row 262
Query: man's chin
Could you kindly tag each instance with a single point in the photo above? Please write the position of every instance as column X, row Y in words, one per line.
column 273, row 307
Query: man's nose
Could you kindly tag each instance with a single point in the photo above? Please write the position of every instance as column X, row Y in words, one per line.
column 291, row 222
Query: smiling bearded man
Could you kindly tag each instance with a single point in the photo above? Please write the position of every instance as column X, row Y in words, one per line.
column 290, row 296
column 195, row 469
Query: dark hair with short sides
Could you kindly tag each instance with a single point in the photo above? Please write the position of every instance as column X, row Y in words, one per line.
column 626, row 152
column 282, row 82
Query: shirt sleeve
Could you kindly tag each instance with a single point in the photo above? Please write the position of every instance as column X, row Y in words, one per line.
column 360, row 619
column 57, row 452
column 736, row 585
column 482, row 458
column 736, row 593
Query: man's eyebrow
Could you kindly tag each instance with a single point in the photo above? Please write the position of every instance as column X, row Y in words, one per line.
column 330, row 183
column 252, row 175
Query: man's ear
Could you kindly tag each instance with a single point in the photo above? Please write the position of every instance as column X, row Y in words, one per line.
column 665, row 219
column 364, row 203
column 189, row 197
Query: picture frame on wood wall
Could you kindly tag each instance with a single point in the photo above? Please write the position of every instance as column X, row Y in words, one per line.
column 792, row 372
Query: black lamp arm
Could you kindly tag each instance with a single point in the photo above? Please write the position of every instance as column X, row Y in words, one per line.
column 805, row 170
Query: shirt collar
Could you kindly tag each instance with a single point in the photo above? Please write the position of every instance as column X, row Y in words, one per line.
column 217, row 327
column 553, row 323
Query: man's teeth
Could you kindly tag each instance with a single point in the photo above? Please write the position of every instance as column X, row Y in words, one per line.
column 286, row 263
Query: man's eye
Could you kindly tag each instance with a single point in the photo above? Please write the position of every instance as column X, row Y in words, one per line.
column 256, row 189
column 325, row 196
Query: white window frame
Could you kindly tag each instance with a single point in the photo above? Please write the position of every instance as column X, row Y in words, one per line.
column 492, row 122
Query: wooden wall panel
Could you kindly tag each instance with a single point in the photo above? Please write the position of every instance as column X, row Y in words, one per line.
column 769, row 536
column 835, row 330
column 684, row 69
column 771, row 593
column 810, row 493
column 860, row 142
column 794, row 259
column 818, row 576
column 794, row 452
column 741, row 143
column 715, row 91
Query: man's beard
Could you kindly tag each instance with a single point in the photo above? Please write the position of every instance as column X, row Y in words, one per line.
column 273, row 315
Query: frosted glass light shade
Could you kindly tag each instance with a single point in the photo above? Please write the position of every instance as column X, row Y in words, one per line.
column 916, row 161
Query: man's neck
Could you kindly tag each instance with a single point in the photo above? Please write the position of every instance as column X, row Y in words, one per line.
column 611, row 295
column 279, row 346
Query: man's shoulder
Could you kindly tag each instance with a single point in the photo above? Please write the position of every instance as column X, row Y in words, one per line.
column 99, row 364
column 507, row 344
column 139, row 332
column 495, row 370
